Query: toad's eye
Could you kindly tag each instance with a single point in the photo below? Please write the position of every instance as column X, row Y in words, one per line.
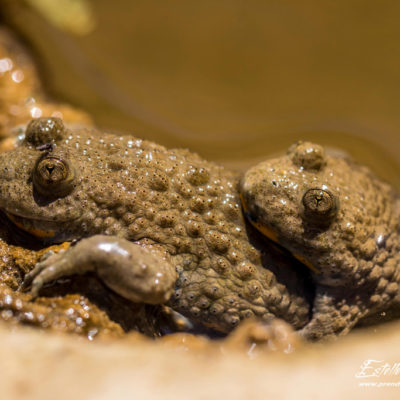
column 53, row 176
column 319, row 206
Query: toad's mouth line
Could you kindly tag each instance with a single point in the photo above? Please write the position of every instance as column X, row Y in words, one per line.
column 30, row 225
column 270, row 234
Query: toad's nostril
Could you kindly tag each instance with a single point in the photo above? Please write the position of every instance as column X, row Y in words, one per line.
column 7, row 173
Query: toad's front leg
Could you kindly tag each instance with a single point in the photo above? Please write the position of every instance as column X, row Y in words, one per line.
column 139, row 272
column 334, row 313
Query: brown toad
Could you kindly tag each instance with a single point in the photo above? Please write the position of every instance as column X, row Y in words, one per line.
column 341, row 221
column 156, row 225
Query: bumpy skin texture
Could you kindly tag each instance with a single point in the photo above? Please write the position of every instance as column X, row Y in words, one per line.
column 355, row 244
column 164, row 211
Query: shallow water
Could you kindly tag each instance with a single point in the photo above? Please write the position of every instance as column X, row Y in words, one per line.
column 234, row 80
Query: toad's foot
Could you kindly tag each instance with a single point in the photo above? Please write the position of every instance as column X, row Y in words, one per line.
column 333, row 314
column 138, row 272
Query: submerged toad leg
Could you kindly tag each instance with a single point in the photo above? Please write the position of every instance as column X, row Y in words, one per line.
column 139, row 272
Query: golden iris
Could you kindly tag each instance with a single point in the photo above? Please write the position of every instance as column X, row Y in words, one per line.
column 319, row 205
column 53, row 176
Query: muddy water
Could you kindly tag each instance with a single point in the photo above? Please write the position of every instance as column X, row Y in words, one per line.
column 234, row 80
